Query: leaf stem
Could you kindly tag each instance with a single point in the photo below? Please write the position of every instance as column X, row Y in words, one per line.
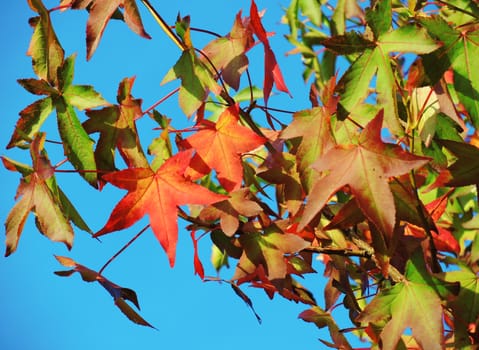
column 161, row 100
column 123, row 248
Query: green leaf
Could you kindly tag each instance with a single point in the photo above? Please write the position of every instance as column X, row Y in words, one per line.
column 37, row 197
column 196, row 81
column 83, row 97
column 465, row 306
column 78, row 147
column 409, row 38
column 312, row 10
column 45, row 49
column 379, row 18
column 465, row 170
column 349, row 43
column 30, row 121
column 413, row 303
column 354, row 85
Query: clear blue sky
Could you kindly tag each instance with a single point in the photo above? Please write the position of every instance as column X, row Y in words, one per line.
column 41, row 311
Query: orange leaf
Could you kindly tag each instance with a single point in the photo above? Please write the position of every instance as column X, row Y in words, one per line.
column 157, row 194
column 220, row 145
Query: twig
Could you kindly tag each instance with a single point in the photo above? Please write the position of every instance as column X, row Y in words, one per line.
column 123, row 248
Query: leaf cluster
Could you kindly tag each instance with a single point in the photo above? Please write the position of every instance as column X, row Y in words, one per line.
column 376, row 184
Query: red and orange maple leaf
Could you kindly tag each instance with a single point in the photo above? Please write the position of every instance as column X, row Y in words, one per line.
column 366, row 168
column 157, row 194
column 220, row 145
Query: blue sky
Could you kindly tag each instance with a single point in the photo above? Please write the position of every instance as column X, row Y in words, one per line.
column 43, row 311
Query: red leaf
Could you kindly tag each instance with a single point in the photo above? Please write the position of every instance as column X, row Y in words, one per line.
column 157, row 194
column 272, row 72
column 199, row 270
column 220, row 145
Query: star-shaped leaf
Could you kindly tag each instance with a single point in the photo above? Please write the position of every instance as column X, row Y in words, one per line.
column 220, row 146
column 412, row 304
column 157, row 194
column 39, row 194
column 101, row 12
column 366, row 168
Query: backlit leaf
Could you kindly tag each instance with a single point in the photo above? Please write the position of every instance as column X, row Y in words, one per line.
column 220, row 146
column 366, row 168
column 35, row 194
column 157, row 194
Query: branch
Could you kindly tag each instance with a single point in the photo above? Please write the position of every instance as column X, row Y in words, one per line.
column 339, row 251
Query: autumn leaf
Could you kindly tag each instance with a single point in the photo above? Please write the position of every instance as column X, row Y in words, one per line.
column 228, row 53
column 220, row 146
column 230, row 210
column 316, row 139
column 267, row 249
column 199, row 270
column 272, row 72
column 414, row 303
column 366, row 168
column 120, row 295
column 322, row 318
column 45, row 49
column 101, row 12
column 465, row 306
column 38, row 193
column 157, row 194
column 117, row 127
column 465, row 169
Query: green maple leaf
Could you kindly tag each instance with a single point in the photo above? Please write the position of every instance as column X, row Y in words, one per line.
column 63, row 97
column 45, row 49
column 366, row 168
column 465, row 306
column 414, row 303
column 461, row 49
column 465, row 169
column 353, row 87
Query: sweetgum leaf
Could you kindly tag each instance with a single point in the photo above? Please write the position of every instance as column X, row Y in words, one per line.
column 78, row 147
column 37, row 195
column 117, row 128
column 462, row 49
column 267, row 250
column 100, row 14
column 366, row 168
column 157, row 194
column 196, row 81
column 272, row 72
column 379, row 17
column 229, row 210
column 120, row 295
column 31, row 119
column 220, row 146
column 414, row 303
column 322, row 319
column 465, row 170
column 45, row 49
column 228, row 53
column 313, row 126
